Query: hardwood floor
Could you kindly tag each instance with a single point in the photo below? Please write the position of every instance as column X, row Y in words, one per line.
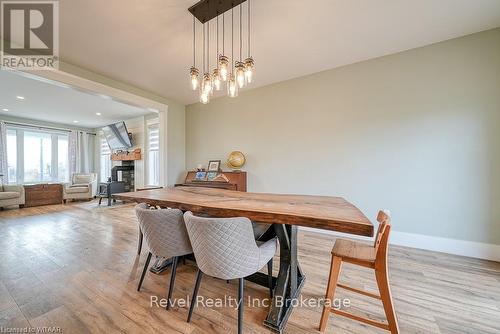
column 75, row 267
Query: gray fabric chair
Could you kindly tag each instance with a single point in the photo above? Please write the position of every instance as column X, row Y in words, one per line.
column 82, row 186
column 165, row 235
column 225, row 248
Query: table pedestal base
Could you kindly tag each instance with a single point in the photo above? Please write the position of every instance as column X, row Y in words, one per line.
column 290, row 279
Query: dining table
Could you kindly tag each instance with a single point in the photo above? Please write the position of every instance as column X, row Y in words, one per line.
column 284, row 212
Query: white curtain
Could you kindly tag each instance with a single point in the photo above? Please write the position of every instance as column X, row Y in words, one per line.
column 72, row 147
column 80, row 147
column 3, row 154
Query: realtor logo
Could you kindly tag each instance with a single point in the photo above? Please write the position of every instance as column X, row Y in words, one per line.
column 30, row 35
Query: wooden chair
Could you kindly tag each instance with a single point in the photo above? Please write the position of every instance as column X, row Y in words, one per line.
column 374, row 257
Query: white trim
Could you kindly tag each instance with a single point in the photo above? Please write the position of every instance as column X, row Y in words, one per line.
column 432, row 243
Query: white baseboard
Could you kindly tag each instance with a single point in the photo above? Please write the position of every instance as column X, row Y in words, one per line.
column 436, row 244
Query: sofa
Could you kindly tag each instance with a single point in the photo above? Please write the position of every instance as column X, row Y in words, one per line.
column 82, row 186
column 11, row 195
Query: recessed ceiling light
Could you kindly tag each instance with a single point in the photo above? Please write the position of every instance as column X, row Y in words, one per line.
column 5, row 109
column 104, row 96
column 19, row 97
column 75, row 121
column 98, row 113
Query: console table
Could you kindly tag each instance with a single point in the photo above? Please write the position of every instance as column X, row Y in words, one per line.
column 237, row 181
column 43, row 194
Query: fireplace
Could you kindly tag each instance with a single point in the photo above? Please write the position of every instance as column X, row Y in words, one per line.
column 125, row 174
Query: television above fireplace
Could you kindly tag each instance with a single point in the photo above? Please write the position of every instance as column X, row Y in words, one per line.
column 117, row 136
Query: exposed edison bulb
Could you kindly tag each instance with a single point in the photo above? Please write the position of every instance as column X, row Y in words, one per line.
column 193, row 72
column 249, row 69
column 240, row 74
column 216, row 79
column 204, row 98
column 224, row 67
column 207, row 84
column 232, row 88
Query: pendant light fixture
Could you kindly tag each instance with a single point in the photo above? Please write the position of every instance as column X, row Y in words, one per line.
column 207, row 77
column 240, row 67
column 223, row 60
column 205, row 84
column 216, row 77
column 249, row 63
column 237, row 73
column 232, row 89
column 193, row 71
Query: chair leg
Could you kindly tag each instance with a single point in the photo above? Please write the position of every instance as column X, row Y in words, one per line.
column 382, row 276
column 139, row 248
column 270, row 277
column 240, row 305
column 100, row 200
column 330, row 291
column 195, row 294
column 172, row 280
column 146, row 265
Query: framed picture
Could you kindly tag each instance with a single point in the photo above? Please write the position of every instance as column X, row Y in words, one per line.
column 212, row 175
column 200, row 176
column 213, row 165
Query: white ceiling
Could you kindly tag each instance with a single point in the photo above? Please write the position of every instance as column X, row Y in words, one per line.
column 48, row 102
column 148, row 44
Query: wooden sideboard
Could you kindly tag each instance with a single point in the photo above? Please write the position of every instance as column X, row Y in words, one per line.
column 43, row 194
column 237, row 181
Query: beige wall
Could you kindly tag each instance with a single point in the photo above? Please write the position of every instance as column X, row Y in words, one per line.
column 176, row 143
column 416, row 132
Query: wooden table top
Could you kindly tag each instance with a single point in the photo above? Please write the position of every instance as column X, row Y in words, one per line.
column 322, row 212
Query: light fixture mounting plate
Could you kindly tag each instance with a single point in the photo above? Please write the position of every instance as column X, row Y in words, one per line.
column 205, row 10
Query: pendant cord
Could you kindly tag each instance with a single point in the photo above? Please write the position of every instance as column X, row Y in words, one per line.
column 203, row 47
column 223, row 32
column 249, row 53
column 208, row 46
column 217, row 58
column 194, row 42
column 232, row 40
column 240, row 31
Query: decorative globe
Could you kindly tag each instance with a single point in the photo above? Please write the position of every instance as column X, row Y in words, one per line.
column 236, row 160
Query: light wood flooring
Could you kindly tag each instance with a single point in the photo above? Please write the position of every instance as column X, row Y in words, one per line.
column 75, row 267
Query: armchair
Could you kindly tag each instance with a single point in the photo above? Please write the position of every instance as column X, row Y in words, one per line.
column 82, row 186
column 11, row 195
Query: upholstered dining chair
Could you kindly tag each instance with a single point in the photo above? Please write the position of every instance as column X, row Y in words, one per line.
column 166, row 236
column 371, row 256
column 225, row 248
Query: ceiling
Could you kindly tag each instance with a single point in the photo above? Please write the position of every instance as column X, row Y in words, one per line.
column 48, row 102
column 148, row 44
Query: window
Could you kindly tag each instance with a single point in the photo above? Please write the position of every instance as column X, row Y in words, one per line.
column 36, row 156
column 153, row 155
column 105, row 160
column 11, row 156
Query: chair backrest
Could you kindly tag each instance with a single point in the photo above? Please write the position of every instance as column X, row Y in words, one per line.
column 384, row 228
column 164, row 231
column 224, row 247
column 83, row 178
